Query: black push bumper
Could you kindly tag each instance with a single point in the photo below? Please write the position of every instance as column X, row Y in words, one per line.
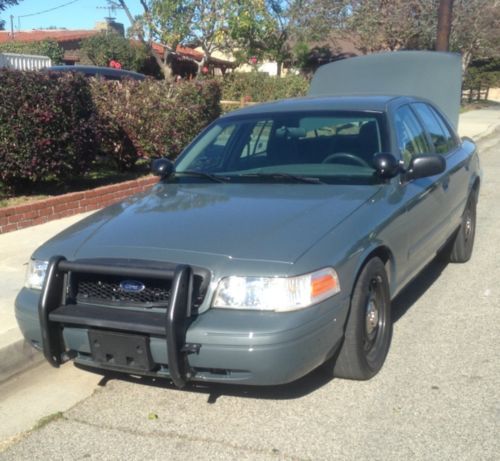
column 55, row 311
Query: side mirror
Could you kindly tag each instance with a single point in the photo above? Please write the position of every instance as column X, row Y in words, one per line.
column 386, row 165
column 426, row 165
column 162, row 167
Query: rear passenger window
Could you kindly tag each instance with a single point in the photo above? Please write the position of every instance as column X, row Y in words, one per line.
column 411, row 136
column 441, row 137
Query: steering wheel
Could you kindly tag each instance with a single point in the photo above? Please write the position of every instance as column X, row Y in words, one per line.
column 344, row 155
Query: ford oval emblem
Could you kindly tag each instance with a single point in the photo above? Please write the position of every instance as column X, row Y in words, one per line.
column 132, row 286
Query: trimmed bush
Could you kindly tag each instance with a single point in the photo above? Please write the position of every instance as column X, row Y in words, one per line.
column 260, row 87
column 48, row 47
column 53, row 129
column 151, row 119
column 46, row 127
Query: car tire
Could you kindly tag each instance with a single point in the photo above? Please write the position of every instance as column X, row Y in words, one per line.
column 461, row 247
column 368, row 330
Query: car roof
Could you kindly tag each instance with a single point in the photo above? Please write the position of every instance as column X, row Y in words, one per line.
column 375, row 103
column 106, row 72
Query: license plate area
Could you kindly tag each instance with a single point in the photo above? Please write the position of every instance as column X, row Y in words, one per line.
column 121, row 350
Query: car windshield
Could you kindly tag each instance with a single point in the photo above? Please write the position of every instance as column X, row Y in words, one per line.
column 293, row 147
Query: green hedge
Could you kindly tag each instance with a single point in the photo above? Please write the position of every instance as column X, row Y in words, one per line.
column 152, row 118
column 48, row 47
column 55, row 128
column 260, row 87
column 46, row 127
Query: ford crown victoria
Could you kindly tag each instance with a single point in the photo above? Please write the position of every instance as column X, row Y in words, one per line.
column 276, row 241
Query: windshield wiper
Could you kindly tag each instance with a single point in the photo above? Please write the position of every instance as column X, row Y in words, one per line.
column 201, row 174
column 287, row 176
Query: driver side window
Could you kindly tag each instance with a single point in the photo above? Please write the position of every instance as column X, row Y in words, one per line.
column 410, row 135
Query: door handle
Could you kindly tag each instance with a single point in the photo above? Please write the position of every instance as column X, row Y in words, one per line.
column 445, row 183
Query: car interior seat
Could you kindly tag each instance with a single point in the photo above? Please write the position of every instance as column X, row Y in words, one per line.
column 368, row 141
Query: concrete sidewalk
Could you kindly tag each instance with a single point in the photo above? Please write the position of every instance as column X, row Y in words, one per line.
column 16, row 248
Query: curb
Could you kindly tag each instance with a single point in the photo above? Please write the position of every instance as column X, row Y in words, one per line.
column 17, row 357
column 16, row 354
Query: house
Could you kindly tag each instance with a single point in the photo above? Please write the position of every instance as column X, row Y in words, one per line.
column 185, row 61
column 69, row 40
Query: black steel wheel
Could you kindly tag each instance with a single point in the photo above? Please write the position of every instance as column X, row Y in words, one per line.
column 368, row 330
column 463, row 241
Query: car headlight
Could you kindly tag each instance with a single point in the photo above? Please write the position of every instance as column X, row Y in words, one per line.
column 279, row 294
column 35, row 275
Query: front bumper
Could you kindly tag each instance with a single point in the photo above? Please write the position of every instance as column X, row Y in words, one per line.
column 219, row 345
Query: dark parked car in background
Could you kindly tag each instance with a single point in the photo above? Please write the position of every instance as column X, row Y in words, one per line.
column 107, row 73
column 276, row 241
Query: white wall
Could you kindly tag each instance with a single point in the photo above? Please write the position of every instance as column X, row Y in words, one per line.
column 24, row 61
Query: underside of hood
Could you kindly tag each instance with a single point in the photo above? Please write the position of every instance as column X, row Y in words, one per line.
column 431, row 75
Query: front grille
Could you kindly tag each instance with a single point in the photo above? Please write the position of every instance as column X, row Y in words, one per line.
column 106, row 289
column 94, row 282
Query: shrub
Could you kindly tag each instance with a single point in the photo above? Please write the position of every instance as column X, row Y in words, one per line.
column 47, row 47
column 151, row 118
column 54, row 128
column 480, row 76
column 46, row 127
column 100, row 49
column 260, row 87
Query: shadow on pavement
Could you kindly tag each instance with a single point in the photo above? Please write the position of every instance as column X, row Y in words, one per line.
column 300, row 388
column 416, row 288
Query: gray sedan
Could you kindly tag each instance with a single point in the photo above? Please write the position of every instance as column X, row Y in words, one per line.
column 272, row 246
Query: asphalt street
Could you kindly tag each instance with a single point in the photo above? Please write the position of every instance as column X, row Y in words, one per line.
column 437, row 397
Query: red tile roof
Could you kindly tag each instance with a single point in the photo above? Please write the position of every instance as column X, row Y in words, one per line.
column 37, row 35
column 182, row 50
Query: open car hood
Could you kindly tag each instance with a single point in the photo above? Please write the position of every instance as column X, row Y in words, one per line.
column 431, row 75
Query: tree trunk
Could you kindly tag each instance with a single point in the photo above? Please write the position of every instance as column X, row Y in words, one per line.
column 162, row 63
column 444, row 25
column 127, row 11
column 466, row 59
column 202, row 64
column 279, row 65
column 164, row 66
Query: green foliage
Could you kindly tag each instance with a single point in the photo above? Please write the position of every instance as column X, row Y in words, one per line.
column 152, row 118
column 169, row 21
column 46, row 127
column 6, row 3
column 260, row 87
column 3, row 5
column 263, row 29
column 47, row 47
column 482, row 74
column 208, row 23
column 55, row 129
column 100, row 49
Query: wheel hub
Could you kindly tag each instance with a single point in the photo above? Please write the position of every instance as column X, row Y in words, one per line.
column 468, row 226
column 372, row 317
